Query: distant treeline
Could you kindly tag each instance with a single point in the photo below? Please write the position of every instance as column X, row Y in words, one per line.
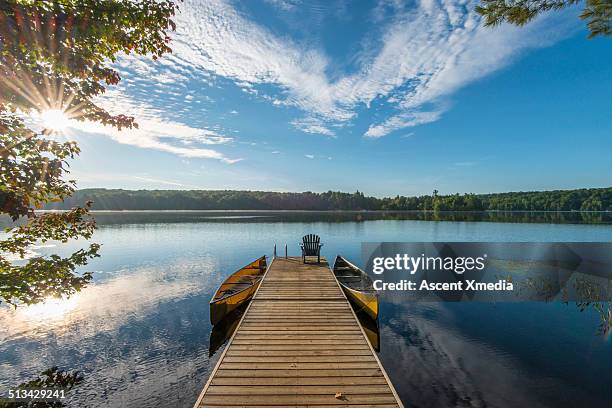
column 595, row 199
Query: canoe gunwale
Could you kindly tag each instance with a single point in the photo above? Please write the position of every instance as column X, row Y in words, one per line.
column 360, row 274
column 249, row 287
column 374, row 353
column 356, row 293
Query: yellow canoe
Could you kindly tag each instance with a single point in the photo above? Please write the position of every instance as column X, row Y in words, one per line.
column 237, row 289
column 357, row 286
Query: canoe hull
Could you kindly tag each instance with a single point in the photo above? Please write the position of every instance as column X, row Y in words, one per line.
column 366, row 302
column 357, row 286
column 219, row 310
column 237, row 289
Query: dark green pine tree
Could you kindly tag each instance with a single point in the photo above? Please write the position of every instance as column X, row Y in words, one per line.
column 597, row 13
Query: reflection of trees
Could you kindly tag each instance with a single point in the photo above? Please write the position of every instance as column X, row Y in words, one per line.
column 585, row 291
column 108, row 218
column 52, row 378
column 597, row 297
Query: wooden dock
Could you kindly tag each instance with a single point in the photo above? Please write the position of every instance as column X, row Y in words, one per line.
column 298, row 344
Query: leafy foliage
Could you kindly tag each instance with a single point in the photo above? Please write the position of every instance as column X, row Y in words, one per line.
column 598, row 199
column 52, row 378
column 31, row 174
column 597, row 13
column 57, row 55
column 67, row 45
column 31, row 168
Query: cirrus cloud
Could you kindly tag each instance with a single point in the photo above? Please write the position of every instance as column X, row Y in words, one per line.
column 426, row 52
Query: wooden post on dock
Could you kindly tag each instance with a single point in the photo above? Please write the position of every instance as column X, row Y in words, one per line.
column 299, row 343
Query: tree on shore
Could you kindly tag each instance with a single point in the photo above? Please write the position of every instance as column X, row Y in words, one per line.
column 55, row 57
column 592, row 199
column 597, row 13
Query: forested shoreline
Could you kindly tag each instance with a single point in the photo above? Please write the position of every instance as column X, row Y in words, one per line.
column 594, row 199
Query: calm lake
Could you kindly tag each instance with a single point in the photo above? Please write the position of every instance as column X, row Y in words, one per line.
column 140, row 333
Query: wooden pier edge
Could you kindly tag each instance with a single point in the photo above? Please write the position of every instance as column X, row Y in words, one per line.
column 384, row 372
column 214, row 371
column 203, row 393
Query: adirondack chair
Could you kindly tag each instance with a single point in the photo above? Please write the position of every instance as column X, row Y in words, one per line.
column 311, row 247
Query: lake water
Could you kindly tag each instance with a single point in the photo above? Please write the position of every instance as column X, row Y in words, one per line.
column 140, row 333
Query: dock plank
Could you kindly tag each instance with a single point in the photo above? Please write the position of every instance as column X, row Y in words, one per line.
column 299, row 344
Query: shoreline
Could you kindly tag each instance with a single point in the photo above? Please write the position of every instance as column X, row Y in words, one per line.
column 345, row 211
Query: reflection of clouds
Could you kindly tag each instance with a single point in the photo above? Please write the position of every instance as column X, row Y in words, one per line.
column 139, row 337
column 105, row 306
column 165, row 378
column 434, row 366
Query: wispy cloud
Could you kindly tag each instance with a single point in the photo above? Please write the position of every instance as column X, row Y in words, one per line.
column 164, row 182
column 425, row 53
column 312, row 156
column 312, row 125
column 403, row 120
column 286, row 5
column 156, row 132
column 214, row 37
column 420, row 55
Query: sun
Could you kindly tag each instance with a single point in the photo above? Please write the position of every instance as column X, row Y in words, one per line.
column 54, row 120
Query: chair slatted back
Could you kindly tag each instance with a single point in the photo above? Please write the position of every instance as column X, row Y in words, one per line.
column 311, row 244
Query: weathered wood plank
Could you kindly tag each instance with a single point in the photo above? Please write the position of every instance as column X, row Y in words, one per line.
column 374, row 380
column 295, row 341
column 223, row 372
column 310, row 406
column 318, row 389
column 298, row 359
column 288, row 400
column 293, row 346
column 301, row 366
column 286, row 333
column 298, row 352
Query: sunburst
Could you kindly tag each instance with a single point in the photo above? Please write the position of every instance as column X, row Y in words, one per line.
column 54, row 120
column 40, row 94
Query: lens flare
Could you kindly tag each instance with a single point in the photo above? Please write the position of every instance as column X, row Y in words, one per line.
column 54, row 120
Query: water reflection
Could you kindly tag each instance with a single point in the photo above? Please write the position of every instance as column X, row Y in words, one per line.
column 442, row 355
column 573, row 217
column 136, row 217
column 139, row 333
column 50, row 311
column 370, row 328
column 108, row 304
column 223, row 331
column 135, row 335
column 433, row 366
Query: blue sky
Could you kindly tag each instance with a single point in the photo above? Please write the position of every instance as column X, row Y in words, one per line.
column 385, row 97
